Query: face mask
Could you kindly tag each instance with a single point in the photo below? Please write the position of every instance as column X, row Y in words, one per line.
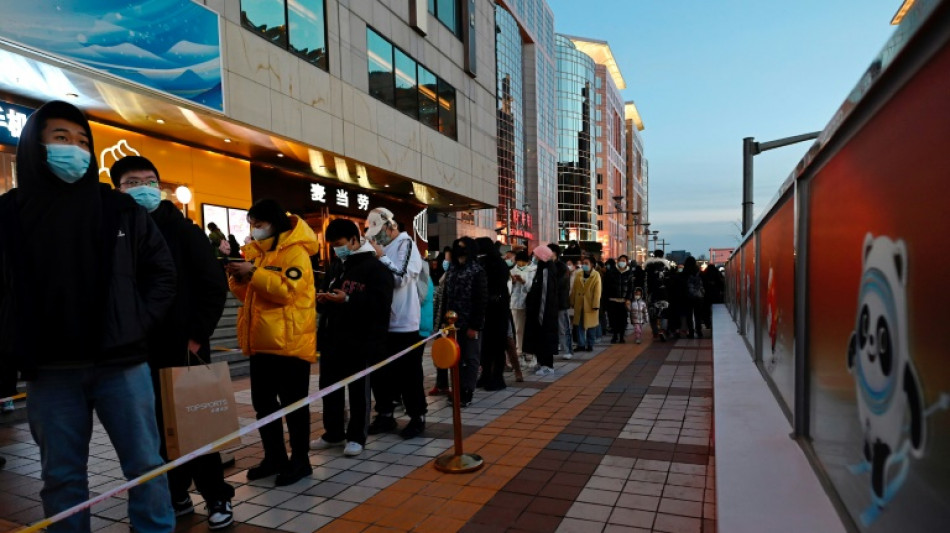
column 446, row 264
column 571, row 268
column 260, row 234
column 145, row 196
column 509, row 262
column 586, row 268
column 382, row 238
column 534, row 260
column 342, row 252
column 680, row 269
column 637, row 297
column 622, row 264
column 67, row 161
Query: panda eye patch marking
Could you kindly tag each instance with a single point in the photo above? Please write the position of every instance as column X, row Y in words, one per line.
column 863, row 324
column 884, row 346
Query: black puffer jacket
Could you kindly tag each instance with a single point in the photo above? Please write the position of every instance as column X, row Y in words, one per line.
column 136, row 287
column 201, row 292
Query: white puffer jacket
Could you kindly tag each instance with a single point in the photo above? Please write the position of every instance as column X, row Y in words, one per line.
column 519, row 291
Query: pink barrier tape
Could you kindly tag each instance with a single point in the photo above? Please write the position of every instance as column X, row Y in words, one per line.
column 148, row 476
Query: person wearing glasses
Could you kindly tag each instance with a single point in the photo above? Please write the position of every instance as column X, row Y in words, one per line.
column 199, row 302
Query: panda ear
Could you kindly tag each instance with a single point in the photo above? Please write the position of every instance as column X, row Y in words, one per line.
column 900, row 261
column 868, row 243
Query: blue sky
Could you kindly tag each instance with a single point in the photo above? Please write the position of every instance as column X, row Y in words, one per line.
column 704, row 74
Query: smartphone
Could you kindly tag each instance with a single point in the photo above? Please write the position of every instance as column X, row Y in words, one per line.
column 235, row 259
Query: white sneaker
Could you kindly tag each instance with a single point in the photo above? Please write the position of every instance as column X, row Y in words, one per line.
column 321, row 444
column 352, row 449
column 567, row 356
column 547, row 370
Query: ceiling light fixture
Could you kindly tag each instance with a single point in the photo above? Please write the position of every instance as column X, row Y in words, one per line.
column 160, row 120
column 227, row 140
column 280, row 155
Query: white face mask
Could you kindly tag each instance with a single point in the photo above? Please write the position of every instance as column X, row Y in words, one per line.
column 637, row 297
column 259, row 234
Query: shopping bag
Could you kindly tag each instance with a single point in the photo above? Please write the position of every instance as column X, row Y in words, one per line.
column 197, row 407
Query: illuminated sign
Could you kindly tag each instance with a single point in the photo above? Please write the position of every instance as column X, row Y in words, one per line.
column 12, row 120
column 108, row 156
column 521, row 224
column 341, row 197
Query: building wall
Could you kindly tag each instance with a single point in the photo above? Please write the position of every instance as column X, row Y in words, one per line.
column 610, row 165
column 270, row 88
column 638, row 188
column 576, row 195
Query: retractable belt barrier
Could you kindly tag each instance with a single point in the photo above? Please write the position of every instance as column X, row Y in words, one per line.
column 148, row 476
column 14, row 397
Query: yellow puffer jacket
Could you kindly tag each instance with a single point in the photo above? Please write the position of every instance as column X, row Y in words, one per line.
column 279, row 316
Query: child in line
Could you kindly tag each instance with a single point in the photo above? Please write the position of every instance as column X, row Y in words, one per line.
column 638, row 314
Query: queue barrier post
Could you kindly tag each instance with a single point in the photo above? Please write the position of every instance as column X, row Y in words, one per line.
column 444, row 353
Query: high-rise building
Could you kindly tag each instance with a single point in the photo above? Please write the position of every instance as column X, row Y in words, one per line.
column 576, row 186
column 609, row 148
column 331, row 107
column 638, row 184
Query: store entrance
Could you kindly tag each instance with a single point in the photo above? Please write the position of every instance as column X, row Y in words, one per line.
column 7, row 171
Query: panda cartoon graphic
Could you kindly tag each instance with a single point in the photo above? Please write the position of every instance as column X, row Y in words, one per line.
column 889, row 395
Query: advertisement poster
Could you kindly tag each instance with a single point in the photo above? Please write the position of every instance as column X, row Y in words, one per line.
column 777, row 292
column 878, row 301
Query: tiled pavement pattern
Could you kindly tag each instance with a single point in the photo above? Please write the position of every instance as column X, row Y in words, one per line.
column 614, row 441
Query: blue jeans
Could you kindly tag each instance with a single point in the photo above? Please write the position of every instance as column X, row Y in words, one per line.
column 60, row 407
column 564, row 325
column 586, row 336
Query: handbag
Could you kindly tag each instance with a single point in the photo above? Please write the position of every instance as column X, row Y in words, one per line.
column 197, row 406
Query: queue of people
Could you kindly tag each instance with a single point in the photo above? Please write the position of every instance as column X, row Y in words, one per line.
column 139, row 289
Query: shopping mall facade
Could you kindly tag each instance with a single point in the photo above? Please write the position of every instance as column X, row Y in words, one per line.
column 330, row 107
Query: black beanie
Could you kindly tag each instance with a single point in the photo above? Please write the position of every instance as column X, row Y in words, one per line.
column 130, row 163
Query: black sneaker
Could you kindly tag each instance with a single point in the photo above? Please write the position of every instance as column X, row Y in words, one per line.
column 220, row 515
column 414, row 428
column 264, row 469
column 382, row 424
column 293, row 472
column 183, row 507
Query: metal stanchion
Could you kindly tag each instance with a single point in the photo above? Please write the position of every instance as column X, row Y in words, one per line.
column 446, row 355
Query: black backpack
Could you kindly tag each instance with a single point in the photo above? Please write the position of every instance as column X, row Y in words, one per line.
column 695, row 286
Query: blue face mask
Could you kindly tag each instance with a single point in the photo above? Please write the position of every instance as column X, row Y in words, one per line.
column 446, row 264
column 509, row 262
column 145, row 196
column 342, row 252
column 586, row 268
column 67, row 161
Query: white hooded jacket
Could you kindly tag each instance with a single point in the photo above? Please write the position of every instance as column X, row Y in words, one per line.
column 403, row 260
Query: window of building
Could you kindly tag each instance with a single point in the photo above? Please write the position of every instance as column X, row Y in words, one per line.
column 298, row 26
column 428, row 98
column 600, row 210
column 407, row 92
column 447, row 116
column 600, row 225
column 600, row 194
column 396, row 78
column 380, row 55
column 449, row 12
column 600, row 177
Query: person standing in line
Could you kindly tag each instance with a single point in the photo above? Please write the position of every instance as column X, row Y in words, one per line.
column 619, row 313
column 185, row 330
column 235, row 247
column 218, row 240
column 354, row 321
column 638, row 314
column 563, row 276
column 585, row 295
column 441, row 387
column 542, row 308
column 613, row 300
column 522, row 275
column 84, row 276
column 403, row 378
column 277, row 329
column 466, row 292
column 657, row 277
column 497, row 316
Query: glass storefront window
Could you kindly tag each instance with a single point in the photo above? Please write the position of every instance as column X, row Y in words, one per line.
column 449, row 13
column 308, row 31
column 447, row 115
column 407, row 92
column 380, row 54
column 428, row 98
column 296, row 25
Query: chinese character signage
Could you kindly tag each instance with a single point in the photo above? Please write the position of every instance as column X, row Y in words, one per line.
column 12, row 120
column 521, row 224
column 320, row 193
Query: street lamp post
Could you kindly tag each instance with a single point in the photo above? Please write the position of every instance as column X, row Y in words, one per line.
column 750, row 148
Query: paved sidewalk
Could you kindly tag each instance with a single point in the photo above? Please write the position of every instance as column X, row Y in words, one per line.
column 616, row 440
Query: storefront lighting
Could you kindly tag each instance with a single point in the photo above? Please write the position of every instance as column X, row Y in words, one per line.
column 160, row 121
column 280, row 155
column 183, row 194
column 227, row 140
column 386, row 185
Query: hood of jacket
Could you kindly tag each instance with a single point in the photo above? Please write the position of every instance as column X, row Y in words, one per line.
column 662, row 261
column 300, row 234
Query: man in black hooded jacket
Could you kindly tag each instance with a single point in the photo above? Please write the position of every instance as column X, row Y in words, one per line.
column 84, row 275
column 186, row 329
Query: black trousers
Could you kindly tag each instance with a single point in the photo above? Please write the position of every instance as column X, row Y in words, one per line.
column 278, row 381
column 617, row 314
column 205, row 471
column 494, row 343
column 403, row 378
column 8, row 378
column 334, row 367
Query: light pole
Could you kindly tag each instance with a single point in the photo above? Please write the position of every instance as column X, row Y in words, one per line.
column 750, row 148
column 635, row 214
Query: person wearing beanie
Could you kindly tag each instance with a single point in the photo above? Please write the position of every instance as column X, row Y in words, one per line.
column 542, row 311
column 68, row 239
column 187, row 328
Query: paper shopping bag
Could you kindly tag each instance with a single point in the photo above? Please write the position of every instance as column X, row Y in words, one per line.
column 197, row 407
